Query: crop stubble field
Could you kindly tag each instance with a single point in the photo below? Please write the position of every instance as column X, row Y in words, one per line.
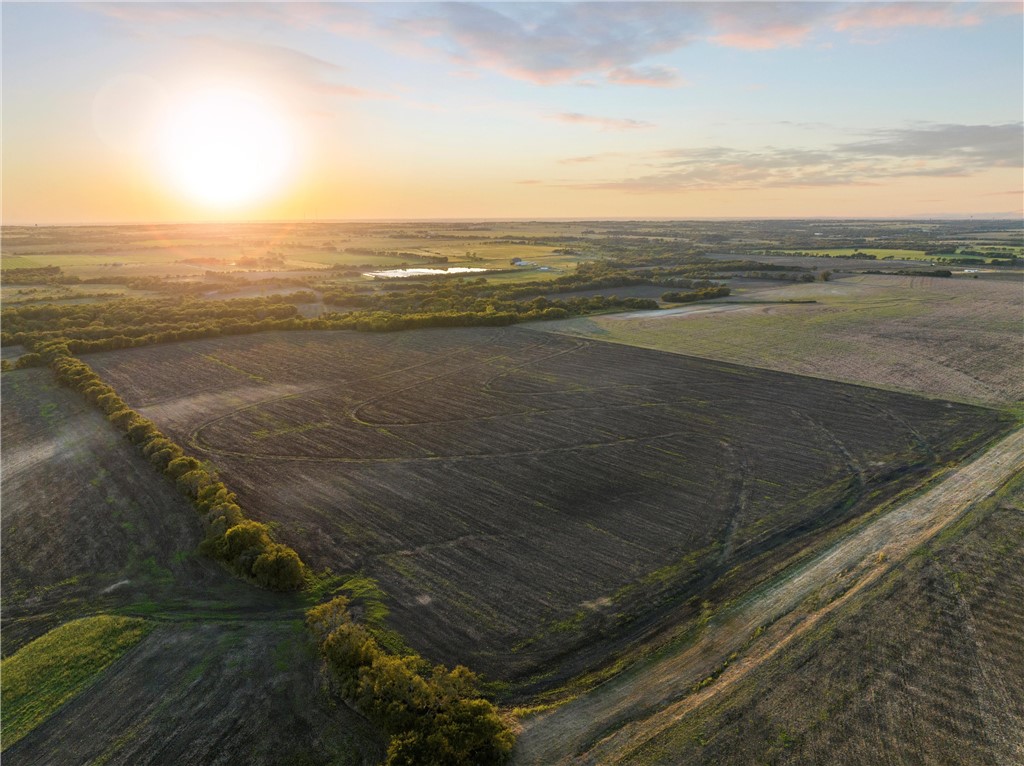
column 531, row 503
column 950, row 338
column 226, row 675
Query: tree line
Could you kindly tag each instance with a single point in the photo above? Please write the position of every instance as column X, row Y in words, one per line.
column 432, row 715
column 244, row 545
column 697, row 295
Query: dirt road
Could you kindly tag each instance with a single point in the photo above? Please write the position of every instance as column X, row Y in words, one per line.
column 629, row 709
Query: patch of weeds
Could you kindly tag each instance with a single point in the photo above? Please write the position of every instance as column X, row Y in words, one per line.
column 198, row 671
column 283, row 655
column 785, row 740
column 570, row 623
column 148, row 567
column 146, row 607
column 715, row 673
column 42, row 590
column 923, row 552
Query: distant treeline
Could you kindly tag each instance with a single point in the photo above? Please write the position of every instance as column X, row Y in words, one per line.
column 698, row 295
column 782, row 276
column 433, row 715
column 31, row 276
column 421, row 257
column 913, row 273
column 245, row 545
column 134, row 321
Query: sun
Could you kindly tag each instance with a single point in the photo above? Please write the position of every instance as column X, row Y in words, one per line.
column 225, row 147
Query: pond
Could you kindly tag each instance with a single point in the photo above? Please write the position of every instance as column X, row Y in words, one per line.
column 402, row 273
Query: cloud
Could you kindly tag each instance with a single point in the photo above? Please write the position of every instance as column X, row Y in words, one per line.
column 549, row 43
column 584, row 159
column 890, row 15
column 973, row 146
column 653, row 76
column 933, row 151
column 763, row 26
column 604, row 123
column 292, row 70
column 566, row 42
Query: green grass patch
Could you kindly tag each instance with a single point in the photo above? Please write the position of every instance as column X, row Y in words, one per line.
column 43, row 675
column 878, row 252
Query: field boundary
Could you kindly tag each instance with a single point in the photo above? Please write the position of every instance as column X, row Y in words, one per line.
column 647, row 699
column 246, row 546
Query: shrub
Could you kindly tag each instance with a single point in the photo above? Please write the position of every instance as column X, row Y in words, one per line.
column 278, row 568
column 181, row 465
column 163, row 457
column 436, row 719
column 192, row 483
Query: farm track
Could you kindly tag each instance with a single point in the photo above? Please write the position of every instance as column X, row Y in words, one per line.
column 612, row 721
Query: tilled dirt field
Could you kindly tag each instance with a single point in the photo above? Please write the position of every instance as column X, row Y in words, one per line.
column 229, row 676
column 238, row 692
column 530, row 503
column 632, row 718
column 928, row 668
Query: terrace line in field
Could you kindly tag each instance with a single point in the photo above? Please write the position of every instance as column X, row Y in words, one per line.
column 532, row 503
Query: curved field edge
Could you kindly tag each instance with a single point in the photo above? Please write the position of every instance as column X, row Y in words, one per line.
column 628, row 710
column 48, row 672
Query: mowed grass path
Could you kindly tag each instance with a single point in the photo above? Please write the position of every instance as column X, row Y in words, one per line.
column 43, row 675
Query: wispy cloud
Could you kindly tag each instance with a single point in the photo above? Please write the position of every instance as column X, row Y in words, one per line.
column 604, row 123
column 294, row 72
column 567, row 42
column 588, row 158
column 652, row 76
column 550, row 43
column 890, row 15
column 936, row 151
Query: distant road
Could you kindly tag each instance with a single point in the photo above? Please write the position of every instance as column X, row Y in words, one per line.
column 620, row 715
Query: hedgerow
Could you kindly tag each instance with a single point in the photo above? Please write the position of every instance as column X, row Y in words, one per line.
column 244, row 545
column 433, row 715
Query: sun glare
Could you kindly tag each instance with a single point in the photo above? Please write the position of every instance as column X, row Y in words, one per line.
column 225, row 147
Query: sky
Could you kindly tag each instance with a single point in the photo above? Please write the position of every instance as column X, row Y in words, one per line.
column 145, row 112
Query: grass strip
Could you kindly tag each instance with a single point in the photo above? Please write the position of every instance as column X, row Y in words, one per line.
column 44, row 674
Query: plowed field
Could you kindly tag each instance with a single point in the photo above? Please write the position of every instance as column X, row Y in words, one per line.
column 532, row 503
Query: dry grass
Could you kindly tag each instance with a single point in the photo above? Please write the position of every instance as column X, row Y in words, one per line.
column 952, row 338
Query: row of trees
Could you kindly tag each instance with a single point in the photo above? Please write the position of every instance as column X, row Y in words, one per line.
column 433, row 715
column 697, row 295
column 245, row 545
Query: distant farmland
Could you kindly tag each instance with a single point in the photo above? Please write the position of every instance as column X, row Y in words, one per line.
column 532, row 503
column 952, row 338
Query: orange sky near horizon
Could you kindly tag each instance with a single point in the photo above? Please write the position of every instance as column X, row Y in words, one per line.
column 177, row 113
